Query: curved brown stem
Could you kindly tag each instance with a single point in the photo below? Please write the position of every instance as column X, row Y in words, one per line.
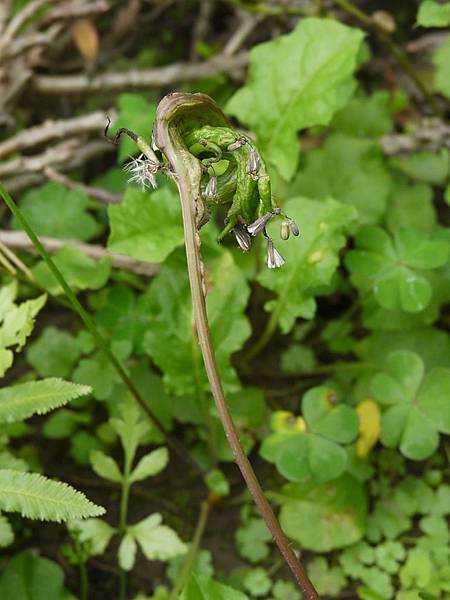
column 187, row 175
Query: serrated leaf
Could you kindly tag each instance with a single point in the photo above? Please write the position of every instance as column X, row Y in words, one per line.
column 22, row 400
column 95, row 531
column 105, row 466
column 150, row 464
column 324, row 517
column 328, row 581
column 257, row 582
column 56, row 211
column 146, row 225
column 127, row 552
column 340, row 169
column 311, row 259
column 37, row 497
column 80, row 271
column 171, row 340
column 27, row 577
column 157, row 542
column 296, row 81
column 433, row 14
column 16, row 323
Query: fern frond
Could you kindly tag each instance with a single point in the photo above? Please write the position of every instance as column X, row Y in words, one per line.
column 20, row 401
column 37, row 497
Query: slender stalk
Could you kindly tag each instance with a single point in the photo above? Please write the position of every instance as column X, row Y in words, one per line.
column 123, row 516
column 195, row 544
column 92, row 328
column 84, row 582
column 186, row 168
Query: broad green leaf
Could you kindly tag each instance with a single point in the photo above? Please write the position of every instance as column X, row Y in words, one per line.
column 340, row 169
column 417, row 404
column 80, row 271
column 202, row 565
column 105, row 466
column 392, row 268
column 146, row 225
column 285, row 590
column 96, row 532
column 417, row 570
column 150, row 464
column 313, row 453
column 63, row 423
column 37, row 497
column 324, row 517
column 441, row 61
column 127, row 552
column 311, row 259
column 30, row 577
column 6, row 532
column 217, row 482
column 298, row 358
column 204, row 588
column 296, row 81
column 56, row 211
column 369, row 116
column 328, row 581
column 82, row 443
column 16, row 323
column 433, row 14
column 253, row 540
column 157, row 542
column 54, row 353
column 171, row 340
column 137, row 114
column 22, row 400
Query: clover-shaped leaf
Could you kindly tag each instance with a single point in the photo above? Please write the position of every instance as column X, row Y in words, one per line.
column 253, row 539
column 417, row 404
column 313, row 450
column 393, row 268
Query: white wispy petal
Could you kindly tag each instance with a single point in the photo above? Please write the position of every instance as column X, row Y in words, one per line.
column 142, row 171
column 274, row 258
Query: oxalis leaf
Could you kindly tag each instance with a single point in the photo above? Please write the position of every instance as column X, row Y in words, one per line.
column 313, row 451
column 324, row 517
column 417, row 404
column 146, row 226
column 171, row 339
column 296, row 81
column 37, row 497
column 393, row 268
column 311, row 259
column 20, row 401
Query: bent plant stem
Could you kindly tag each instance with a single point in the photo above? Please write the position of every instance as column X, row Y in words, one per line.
column 185, row 168
column 92, row 328
column 194, row 547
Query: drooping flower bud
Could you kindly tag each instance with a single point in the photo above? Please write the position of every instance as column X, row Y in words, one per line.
column 242, row 237
column 211, row 188
column 254, row 162
column 274, row 258
column 284, row 230
column 258, row 225
column 294, row 228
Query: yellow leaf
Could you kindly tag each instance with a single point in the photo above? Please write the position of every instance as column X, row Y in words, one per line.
column 86, row 38
column 284, row 421
column 369, row 427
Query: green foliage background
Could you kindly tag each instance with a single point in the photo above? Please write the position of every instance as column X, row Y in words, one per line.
column 336, row 366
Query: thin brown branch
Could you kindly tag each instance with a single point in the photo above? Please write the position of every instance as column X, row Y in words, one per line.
column 94, row 192
column 246, row 26
column 75, row 10
column 17, row 22
column 18, row 240
column 49, row 130
column 137, row 78
column 31, row 40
